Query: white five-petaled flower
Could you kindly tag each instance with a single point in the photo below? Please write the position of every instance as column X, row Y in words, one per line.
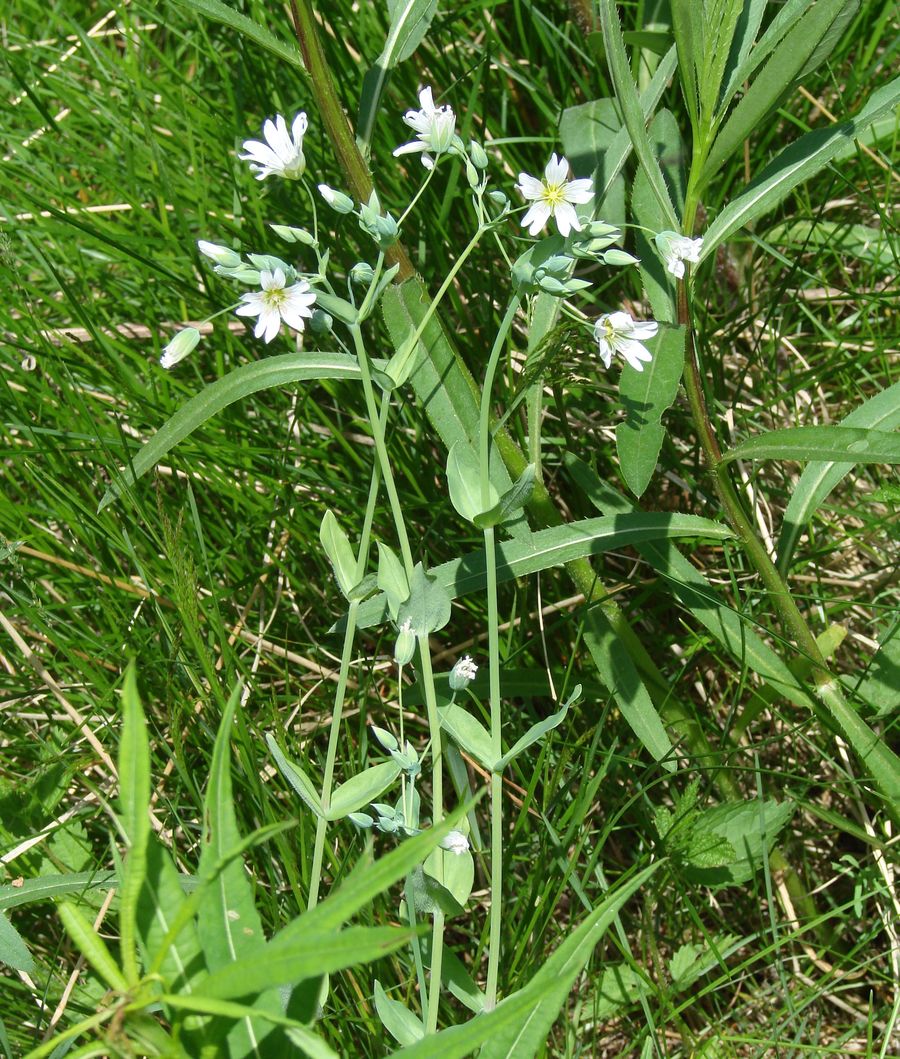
column 435, row 128
column 554, row 196
column 456, row 842
column 282, row 153
column 676, row 249
column 620, row 333
column 277, row 302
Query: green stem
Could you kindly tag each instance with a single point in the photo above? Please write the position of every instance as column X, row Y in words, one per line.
column 362, row 558
column 493, row 618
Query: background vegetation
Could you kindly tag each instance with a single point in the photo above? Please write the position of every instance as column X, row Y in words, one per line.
column 119, row 138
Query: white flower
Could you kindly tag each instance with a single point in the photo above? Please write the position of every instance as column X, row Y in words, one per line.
column 456, row 842
column 463, row 673
column 282, row 153
column 619, row 333
column 277, row 302
column 676, row 249
column 554, row 196
column 182, row 344
column 435, row 128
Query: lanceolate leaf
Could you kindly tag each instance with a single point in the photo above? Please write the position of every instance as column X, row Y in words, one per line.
column 802, row 160
column 216, row 11
column 250, row 378
column 555, row 546
column 13, row 950
column 295, row 776
column 881, row 412
column 518, row 1027
column 842, row 444
column 362, row 788
column 46, row 887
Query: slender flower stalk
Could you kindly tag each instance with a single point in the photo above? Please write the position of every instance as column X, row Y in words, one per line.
column 493, row 619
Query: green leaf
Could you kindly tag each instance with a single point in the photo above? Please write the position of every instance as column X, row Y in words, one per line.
column 464, row 483
column 554, row 547
column 842, row 444
column 216, row 11
column 311, row 1044
column 879, row 684
column 91, row 946
column 796, row 163
column 691, row 962
column 429, row 896
column 337, row 547
column 619, row 673
column 295, row 776
column 519, row 1025
column 875, row 246
column 455, row 871
column 392, row 579
column 134, row 799
column 428, row 607
column 285, row 961
column 46, row 887
column 751, row 828
column 250, row 378
column 361, row 789
column 467, row 732
column 538, row 731
column 880, row 412
column 13, row 950
column 743, row 40
column 397, row 1019
column 770, row 85
column 632, row 114
column 512, row 502
column 646, row 395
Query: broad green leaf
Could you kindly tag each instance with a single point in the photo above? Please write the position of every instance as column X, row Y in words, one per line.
column 455, row 871
column 337, row 547
column 295, row 776
column 701, row 599
column 554, row 547
column 796, row 163
column 518, row 1026
column 250, row 378
column 632, row 114
column 410, row 20
column 429, row 896
column 464, row 482
column 286, row 961
column 392, row 579
column 619, row 673
column 879, row 684
column 13, row 950
column 538, row 731
column 228, row 925
column 91, row 946
column 881, row 412
column 876, row 246
column 134, row 799
column 512, row 502
column 361, row 789
column 428, row 607
column 468, row 733
column 397, row 1019
column 46, row 887
column 786, row 63
column 646, row 395
column 784, row 21
column 842, row 444
column 311, row 1044
column 743, row 40
column 216, row 11
column 751, row 828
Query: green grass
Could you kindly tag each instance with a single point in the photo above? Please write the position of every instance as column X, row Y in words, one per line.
column 145, row 119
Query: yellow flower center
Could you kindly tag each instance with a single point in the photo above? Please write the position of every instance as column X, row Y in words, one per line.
column 274, row 298
column 554, row 194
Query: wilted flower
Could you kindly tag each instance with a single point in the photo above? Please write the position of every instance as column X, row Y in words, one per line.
column 182, row 344
column 276, row 302
column 282, row 153
column 456, row 842
column 676, row 249
column 554, row 196
column 435, row 129
column 463, row 673
column 619, row 333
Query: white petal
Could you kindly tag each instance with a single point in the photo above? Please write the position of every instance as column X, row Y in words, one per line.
column 409, row 148
column 644, row 329
column 253, row 304
column 294, row 320
column 605, row 350
column 537, row 216
column 619, row 320
column 259, row 152
column 579, row 190
column 530, row 187
column 566, row 218
column 298, row 129
column 634, row 353
column 675, row 266
column 426, row 100
column 556, row 171
column 270, row 321
column 415, row 119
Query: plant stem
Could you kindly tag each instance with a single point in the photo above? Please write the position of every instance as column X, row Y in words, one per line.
column 362, row 557
column 484, row 453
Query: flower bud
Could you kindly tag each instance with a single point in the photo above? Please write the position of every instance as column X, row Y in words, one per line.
column 337, row 200
column 456, row 842
column 478, row 155
column 405, row 646
column 293, row 235
column 182, row 344
column 462, row 674
column 321, row 323
column 222, row 255
column 362, row 274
